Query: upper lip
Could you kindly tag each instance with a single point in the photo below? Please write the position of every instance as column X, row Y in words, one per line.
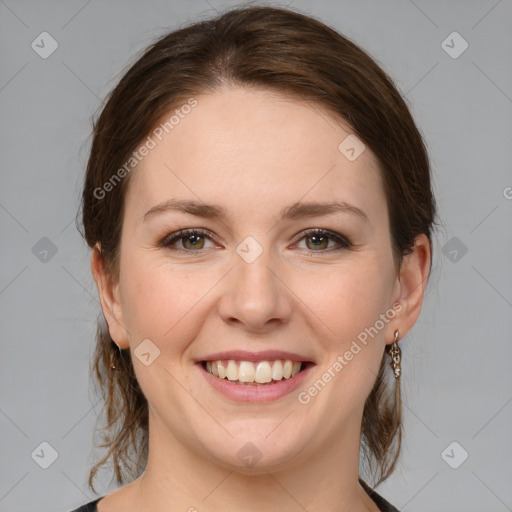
column 244, row 355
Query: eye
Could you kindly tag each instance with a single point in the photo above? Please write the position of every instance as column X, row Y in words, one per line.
column 320, row 240
column 192, row 240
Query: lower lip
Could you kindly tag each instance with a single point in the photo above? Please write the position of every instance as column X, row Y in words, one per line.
column 256, row 393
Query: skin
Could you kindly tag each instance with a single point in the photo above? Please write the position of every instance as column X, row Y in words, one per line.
column 254, row 152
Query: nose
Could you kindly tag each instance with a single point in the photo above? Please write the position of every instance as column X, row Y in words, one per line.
column 255, row 296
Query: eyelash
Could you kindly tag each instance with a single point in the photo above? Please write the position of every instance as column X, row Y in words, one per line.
column 169, row 240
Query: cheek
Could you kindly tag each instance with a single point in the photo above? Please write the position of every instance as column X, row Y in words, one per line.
column 162, row 303
column 349, row 299
column 353, row 311
column 160, row 299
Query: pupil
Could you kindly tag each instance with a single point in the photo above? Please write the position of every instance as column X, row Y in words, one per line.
column 318, row 240
column 193, row 239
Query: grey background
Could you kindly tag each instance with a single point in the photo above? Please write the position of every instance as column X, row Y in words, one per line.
column 457, row 359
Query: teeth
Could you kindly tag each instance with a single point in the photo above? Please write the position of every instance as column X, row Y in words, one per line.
column 246, row 372
column 287, row 369
column 277, row 370
column 262, row 372
column 232, row 370
column 220, row 369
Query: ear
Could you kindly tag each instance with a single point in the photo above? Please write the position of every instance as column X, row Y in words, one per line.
column 108, row 291
column 413, row 278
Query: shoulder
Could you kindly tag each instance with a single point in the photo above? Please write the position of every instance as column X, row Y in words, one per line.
column 88, row 507
column 384, row 506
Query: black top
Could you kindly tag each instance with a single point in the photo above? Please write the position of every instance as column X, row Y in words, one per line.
column 383, row 505
column 89, row 507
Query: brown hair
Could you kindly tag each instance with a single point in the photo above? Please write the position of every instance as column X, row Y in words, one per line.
column 286, row 52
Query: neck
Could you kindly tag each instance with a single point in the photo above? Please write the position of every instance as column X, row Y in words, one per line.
column 185, row 479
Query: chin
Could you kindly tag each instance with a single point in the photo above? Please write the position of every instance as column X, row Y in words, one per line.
column 255, row 451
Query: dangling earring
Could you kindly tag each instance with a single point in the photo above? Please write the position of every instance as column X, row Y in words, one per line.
column 112, row 365
column 396, row 356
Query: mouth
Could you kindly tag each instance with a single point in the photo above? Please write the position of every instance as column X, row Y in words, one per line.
column 255, row 373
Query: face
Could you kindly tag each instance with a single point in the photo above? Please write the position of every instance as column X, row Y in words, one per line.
column 267, row 276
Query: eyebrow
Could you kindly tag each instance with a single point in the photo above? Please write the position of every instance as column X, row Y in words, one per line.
column 293, row 212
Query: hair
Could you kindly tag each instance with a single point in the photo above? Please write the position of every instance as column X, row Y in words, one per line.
column 282, row 51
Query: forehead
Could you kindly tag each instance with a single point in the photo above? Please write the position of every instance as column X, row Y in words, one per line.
column 252, row 149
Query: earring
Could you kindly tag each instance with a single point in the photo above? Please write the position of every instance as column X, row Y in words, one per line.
column 396, row 356
column 112, row 365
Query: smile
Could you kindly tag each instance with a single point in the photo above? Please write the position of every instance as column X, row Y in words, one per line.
column 254, row 381
column 254, row 372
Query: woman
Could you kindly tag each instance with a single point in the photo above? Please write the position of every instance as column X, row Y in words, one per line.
column 259, row 208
